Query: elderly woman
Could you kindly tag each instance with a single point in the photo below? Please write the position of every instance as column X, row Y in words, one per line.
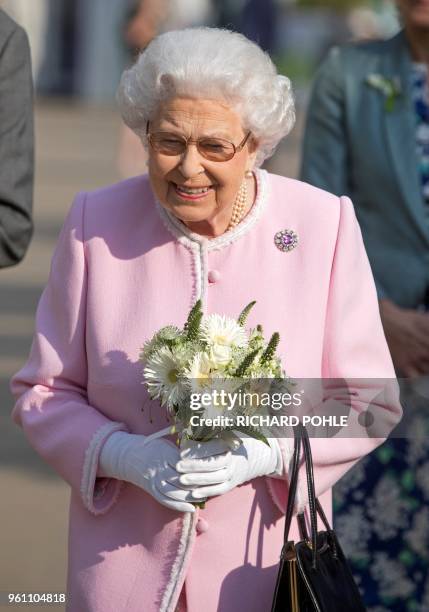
column 204, row 223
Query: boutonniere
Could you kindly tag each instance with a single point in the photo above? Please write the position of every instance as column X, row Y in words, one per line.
column 389, row 87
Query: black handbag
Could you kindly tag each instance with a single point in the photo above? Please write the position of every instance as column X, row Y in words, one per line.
column 313, row 575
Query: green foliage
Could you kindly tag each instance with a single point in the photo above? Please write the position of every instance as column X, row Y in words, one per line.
column 166, row 336
column 246, row 363
column 169, row 335
column 245, row 313
column 256, row 340
column 194, row 326
column 194, row 312
column 271, row 348
column 150, row 347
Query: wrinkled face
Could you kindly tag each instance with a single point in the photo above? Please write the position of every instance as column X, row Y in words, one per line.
column 414, row 13
column 172, row 177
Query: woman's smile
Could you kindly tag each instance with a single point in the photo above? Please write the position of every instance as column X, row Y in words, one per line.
column 191, row 193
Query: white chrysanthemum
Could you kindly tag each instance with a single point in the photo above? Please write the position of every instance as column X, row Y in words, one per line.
column 199, row 371
column 220, row 331
column 162, row 374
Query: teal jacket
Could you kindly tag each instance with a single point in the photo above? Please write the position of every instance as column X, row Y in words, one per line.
column 355, row 146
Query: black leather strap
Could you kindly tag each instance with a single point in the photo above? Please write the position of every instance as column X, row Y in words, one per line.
column 311, row 494
column 292, row 486
column 301, row 437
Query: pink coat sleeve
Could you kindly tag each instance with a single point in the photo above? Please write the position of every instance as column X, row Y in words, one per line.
column 50, row 390
column 355, row 351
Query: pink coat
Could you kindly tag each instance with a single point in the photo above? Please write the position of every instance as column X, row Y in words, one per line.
column 122, row 269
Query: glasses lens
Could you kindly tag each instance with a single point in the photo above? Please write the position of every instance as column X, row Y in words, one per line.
column 167, row 144
column 216, row 149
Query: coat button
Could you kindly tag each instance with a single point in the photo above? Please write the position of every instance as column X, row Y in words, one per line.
column 214, row 276
column 202, row 525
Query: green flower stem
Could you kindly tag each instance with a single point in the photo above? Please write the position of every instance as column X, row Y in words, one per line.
column 201, row 504
column 389, row 103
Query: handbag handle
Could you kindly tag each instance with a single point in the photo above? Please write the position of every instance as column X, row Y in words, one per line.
column 292, row 486
column 315, row 508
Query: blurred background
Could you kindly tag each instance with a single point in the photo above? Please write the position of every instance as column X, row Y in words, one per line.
column 79, row 49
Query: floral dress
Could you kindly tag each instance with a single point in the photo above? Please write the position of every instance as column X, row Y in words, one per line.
column 381, row 507
column 420, row 92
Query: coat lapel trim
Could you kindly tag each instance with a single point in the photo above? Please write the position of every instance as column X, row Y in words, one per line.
column 400, row 132
column 178, row 569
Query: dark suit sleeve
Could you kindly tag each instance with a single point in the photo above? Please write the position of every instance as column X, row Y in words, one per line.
column 324, row 159
column 16, row 147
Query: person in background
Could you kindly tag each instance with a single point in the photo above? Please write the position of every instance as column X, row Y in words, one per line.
column 16, row 142
column 367, row 136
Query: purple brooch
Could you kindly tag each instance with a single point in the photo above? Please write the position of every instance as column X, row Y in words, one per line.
column 286, row 240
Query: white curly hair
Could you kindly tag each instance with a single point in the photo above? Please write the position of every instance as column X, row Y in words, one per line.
column 210, row 63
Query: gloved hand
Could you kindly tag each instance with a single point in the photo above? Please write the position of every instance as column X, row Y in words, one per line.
column 213, row 468
column 149, row 465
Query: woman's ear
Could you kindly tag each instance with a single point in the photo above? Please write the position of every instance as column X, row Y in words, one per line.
column 252, row 147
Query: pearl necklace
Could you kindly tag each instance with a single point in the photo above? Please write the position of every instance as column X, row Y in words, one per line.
column 239, row 206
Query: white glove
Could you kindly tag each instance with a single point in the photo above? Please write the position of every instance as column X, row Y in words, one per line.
column 149, row 465
column 213, row 468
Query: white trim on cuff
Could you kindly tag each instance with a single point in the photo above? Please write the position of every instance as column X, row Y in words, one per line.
column 90, row 464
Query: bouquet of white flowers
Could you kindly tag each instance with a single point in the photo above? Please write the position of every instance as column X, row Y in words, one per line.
column 212, row 358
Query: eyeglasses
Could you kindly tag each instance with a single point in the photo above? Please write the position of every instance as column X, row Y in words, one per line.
column 213, row 149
